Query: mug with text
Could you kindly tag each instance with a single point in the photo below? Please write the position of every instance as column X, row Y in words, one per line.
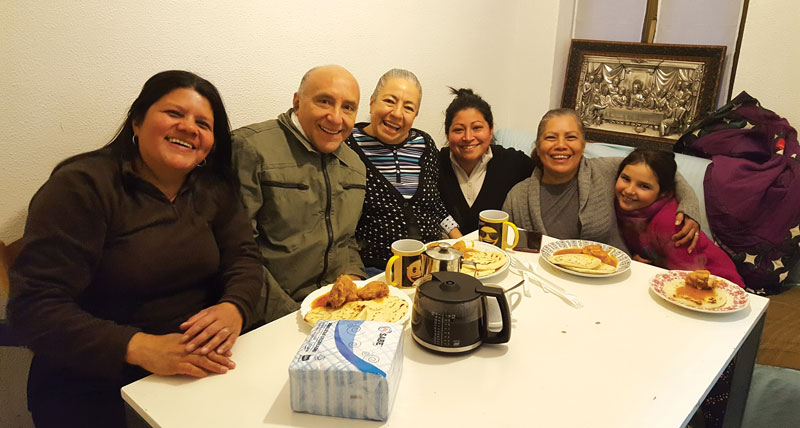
column 405, row 266
column 494, row 228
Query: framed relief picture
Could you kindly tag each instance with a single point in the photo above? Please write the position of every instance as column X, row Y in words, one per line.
column 637, row 94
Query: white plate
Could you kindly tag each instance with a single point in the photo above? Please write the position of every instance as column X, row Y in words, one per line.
column 737, row 300
column 623, row 261
column 305, row 306
column 483, row 247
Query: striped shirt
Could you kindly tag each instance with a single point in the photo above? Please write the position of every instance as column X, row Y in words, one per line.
column 402, row 199
column 399, row 163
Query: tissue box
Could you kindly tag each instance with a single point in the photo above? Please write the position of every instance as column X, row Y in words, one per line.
column 349, row 369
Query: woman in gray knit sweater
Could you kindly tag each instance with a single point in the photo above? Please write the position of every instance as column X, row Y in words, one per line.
column 572, row 197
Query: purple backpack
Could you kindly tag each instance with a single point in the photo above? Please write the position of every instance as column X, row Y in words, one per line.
column 752, row 189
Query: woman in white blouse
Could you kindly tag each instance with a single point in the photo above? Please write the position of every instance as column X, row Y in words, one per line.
column 475, row 173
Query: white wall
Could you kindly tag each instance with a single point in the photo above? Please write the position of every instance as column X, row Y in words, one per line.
column 769, row 61
column 563, row 39
column 71, row 69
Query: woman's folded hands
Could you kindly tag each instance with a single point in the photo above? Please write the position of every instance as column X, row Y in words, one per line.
column 203, row 348
column 166, row 355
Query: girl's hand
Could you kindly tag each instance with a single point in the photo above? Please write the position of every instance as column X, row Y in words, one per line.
column 165, row 355
column 689, row 233
column 455, row 233
column 215, row 328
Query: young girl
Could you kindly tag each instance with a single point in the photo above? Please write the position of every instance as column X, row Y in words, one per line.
column 646, row 216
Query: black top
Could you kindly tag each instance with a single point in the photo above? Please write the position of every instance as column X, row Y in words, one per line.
column 106, row 255
column 507, row 167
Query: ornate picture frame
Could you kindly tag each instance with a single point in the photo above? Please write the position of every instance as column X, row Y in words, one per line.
column 640, row 94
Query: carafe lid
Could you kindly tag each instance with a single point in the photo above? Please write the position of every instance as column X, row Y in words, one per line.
column 444, row 252
column 451, row 287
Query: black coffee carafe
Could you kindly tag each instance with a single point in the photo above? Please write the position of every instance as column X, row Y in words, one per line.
column 449, row 313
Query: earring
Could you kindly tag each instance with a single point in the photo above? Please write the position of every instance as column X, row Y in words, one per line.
column 202, row 164
column 135, row 140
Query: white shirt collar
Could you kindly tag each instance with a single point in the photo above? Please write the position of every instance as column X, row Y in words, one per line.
column 296, row 123
column 481, row 166
column 471, row 184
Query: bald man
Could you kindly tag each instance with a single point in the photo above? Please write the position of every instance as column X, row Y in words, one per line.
column 304, row 189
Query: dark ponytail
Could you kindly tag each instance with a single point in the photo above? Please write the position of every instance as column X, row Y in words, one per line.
column 465, row 99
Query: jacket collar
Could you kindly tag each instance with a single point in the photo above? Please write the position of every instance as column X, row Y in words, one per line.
column 133, row 181
column 584, row 182
column 344, row 153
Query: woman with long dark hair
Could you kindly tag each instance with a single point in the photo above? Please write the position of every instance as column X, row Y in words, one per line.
column 137, row 258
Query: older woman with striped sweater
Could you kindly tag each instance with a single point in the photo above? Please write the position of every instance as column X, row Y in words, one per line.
column 402, row 199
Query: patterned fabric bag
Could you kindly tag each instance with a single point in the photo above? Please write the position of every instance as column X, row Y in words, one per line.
column 752, row 189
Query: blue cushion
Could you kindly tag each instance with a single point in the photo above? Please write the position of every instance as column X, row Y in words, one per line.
column 518, row 139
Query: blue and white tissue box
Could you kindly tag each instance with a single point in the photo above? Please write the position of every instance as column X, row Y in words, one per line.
column 349, row 369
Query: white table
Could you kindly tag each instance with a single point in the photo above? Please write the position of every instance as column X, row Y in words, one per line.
column 626, row 359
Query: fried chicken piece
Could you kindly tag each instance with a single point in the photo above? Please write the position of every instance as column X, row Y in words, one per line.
column 594, row 250
column 598, row 251
column 373, row 290
column 343, row 291
column 700, row 279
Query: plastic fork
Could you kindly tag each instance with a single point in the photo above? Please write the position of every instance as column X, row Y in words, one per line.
column 551, row 287
column 519, row 268
column 529, row 274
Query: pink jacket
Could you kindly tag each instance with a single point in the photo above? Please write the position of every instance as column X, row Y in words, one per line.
column 648, row 231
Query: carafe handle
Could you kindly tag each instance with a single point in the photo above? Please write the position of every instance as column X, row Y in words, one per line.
column 504, row 335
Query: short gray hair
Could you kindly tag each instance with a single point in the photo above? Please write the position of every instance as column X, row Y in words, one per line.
column 396, row 73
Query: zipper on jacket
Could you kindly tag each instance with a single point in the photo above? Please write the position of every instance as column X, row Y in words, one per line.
column 300, row 186
column 327, row 219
